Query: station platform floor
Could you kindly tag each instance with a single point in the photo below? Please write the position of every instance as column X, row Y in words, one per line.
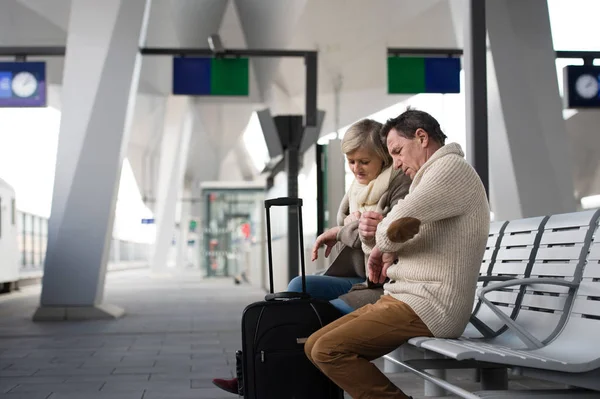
column 179, row 332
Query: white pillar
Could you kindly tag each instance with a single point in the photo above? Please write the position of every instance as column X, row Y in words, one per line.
column 336, row 179
column 101, row 75
column 184, row 228
column 530, row 155
column 173, row 160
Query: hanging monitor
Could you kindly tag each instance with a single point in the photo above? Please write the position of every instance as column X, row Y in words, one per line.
column 22, row 84
column 198, row 76
column 415, row 75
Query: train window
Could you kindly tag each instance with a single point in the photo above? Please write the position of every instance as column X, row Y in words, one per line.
column 14, row 211
column 0, row 217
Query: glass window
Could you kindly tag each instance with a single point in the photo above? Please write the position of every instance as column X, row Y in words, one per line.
column 36, row 249
column 13, row 208
column 28, row 223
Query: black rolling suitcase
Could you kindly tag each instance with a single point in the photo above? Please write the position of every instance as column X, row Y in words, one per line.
column 274, row 332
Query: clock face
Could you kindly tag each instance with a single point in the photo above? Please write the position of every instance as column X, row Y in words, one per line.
column 24, row 84
column 587, row 86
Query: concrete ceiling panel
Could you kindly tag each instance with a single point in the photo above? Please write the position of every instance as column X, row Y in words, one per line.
column 268, row 25
column 33, row 23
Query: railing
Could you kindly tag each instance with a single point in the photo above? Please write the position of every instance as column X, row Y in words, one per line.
column 33, row 238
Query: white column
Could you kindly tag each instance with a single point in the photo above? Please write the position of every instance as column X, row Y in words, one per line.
column 336, row 179
column 101, row 75
column 530, row 155
column 173, row 160
column 184, row 228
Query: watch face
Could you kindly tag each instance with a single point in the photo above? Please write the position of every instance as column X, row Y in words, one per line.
column 24, row 84
column 587, row 86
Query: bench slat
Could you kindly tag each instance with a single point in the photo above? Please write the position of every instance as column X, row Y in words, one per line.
column 567, row 253
column 564, row 237
column 544, row 301
column 518, row 239
column 514, row 253
column 554, row 269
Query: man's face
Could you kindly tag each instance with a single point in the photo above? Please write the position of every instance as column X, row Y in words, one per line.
column 408, row 154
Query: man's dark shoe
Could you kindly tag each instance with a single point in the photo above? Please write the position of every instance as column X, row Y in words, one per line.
column 230, row 385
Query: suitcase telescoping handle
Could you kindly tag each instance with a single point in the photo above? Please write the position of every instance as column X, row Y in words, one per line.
column 285, row 201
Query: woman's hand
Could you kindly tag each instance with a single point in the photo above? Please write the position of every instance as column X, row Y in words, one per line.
column 353, row 217
column 329, row 239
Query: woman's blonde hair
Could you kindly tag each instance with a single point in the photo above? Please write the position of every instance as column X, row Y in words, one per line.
column 365, row 134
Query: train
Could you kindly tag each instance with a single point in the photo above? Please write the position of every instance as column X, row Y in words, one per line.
column 9, row 248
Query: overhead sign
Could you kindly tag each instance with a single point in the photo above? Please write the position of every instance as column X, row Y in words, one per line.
column 415, row 75
column 22, row 84
column 198, row 76
column 581, row 86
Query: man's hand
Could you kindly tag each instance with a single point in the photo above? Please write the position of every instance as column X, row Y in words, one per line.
column 375, row 265
column 367, row 227
column 328, row 238
column 353, row 217
column 379, row 263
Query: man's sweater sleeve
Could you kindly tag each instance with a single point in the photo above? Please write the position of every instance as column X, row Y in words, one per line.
column 443, row 192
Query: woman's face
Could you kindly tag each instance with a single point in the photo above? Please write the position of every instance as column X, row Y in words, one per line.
column 365, row 165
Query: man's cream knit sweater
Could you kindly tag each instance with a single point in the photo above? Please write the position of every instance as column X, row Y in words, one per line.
column 437, row 270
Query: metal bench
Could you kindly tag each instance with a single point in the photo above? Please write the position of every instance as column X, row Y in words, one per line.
column 517, row 249
column 555, row 309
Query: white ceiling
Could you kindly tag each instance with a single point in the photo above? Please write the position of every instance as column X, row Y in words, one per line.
column 350, row 35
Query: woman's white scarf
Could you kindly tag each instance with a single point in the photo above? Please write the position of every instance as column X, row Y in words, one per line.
column 365, row 197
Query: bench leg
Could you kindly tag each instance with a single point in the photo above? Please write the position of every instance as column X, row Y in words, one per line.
column 403, row 353
column 477, row 375
column 430, row 389
column 494, row 379
column 390, row 367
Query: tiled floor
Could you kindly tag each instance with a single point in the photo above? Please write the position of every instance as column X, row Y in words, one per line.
column 179, row 332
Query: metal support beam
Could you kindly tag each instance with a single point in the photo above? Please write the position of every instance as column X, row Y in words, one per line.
column 292, row 166
column 457, row 52
column 321, row 188
column 290, row 130
column 475, row 60
column 32, row 51
column 206, row 52
column 310, row 60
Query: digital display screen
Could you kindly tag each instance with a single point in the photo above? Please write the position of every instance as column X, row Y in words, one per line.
column 582, row 86
column 22, row 84
column 197, row 76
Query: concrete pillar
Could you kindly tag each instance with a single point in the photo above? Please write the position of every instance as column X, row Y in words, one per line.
column 101, row 75
column 184, row 228
column 530, row 156
column 173, row 159
column 336, row 179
